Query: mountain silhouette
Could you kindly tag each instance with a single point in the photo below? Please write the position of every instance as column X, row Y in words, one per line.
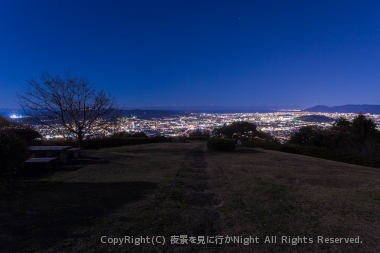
column 373, row 109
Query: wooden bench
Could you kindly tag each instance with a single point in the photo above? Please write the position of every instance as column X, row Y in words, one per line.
column 73, row 152
column 38, row 165
column 50, row 151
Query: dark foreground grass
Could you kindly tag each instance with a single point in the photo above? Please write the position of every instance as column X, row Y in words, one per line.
column 42, row 213
column 173, row 189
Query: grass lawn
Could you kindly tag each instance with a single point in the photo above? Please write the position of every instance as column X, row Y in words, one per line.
column 174, row 189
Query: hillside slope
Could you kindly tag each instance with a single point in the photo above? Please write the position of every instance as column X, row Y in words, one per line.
column 174, row 189
column 5, row 122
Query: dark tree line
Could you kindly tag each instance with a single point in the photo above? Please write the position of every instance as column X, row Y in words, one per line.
column 360, row 137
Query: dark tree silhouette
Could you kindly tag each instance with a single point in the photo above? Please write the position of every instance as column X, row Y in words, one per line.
column 360, row 137
column 69, row 105
column 241, row 130
column 235, row 129
column 306, row 136
column 363, row 127
column 342, row 125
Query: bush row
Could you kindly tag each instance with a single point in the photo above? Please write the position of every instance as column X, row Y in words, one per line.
column 318, row 152
column 198, row 138
column 105, row 142
column 221, row 144
column 115, row 142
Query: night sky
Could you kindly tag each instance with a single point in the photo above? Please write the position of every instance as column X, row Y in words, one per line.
column 198, row 54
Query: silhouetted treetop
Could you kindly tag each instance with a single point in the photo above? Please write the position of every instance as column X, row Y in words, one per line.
column 68, row 104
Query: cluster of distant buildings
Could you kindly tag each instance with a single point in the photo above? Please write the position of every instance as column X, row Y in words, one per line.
column 279, row 124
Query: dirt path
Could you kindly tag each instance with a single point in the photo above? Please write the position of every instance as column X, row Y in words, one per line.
column 193, row 189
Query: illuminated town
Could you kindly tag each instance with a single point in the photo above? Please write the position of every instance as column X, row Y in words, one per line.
column 279, row 124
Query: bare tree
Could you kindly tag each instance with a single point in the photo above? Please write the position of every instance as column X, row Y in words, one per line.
column 70, row 106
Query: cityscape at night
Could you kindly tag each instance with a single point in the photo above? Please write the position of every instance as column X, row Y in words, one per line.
column 190, row 126
column 281, row 124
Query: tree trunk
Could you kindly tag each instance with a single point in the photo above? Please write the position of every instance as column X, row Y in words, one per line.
column 80, row 139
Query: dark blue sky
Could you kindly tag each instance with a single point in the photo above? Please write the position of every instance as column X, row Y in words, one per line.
column 195, row 54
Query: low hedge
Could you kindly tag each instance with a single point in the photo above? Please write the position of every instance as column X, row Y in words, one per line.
column 221, row 144
column 106, row 142
column 115, row 142
column 198, row 138
column 318, row 152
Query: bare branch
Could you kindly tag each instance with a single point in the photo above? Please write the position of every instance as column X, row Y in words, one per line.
column 67, row 105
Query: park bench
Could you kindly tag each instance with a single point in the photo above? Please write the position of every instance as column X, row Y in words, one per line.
column 38, row 165
column 73, row 153
column 50, row 151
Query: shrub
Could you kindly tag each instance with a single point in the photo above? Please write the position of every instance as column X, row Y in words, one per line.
column 121, row 135
column 115, row 142
column 27, row 134
column 262, row 144
column 198, row 138
column 58, row 142
column 13, row 153
column 219, row 144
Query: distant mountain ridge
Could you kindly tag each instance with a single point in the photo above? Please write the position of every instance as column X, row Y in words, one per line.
column 373, row 109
